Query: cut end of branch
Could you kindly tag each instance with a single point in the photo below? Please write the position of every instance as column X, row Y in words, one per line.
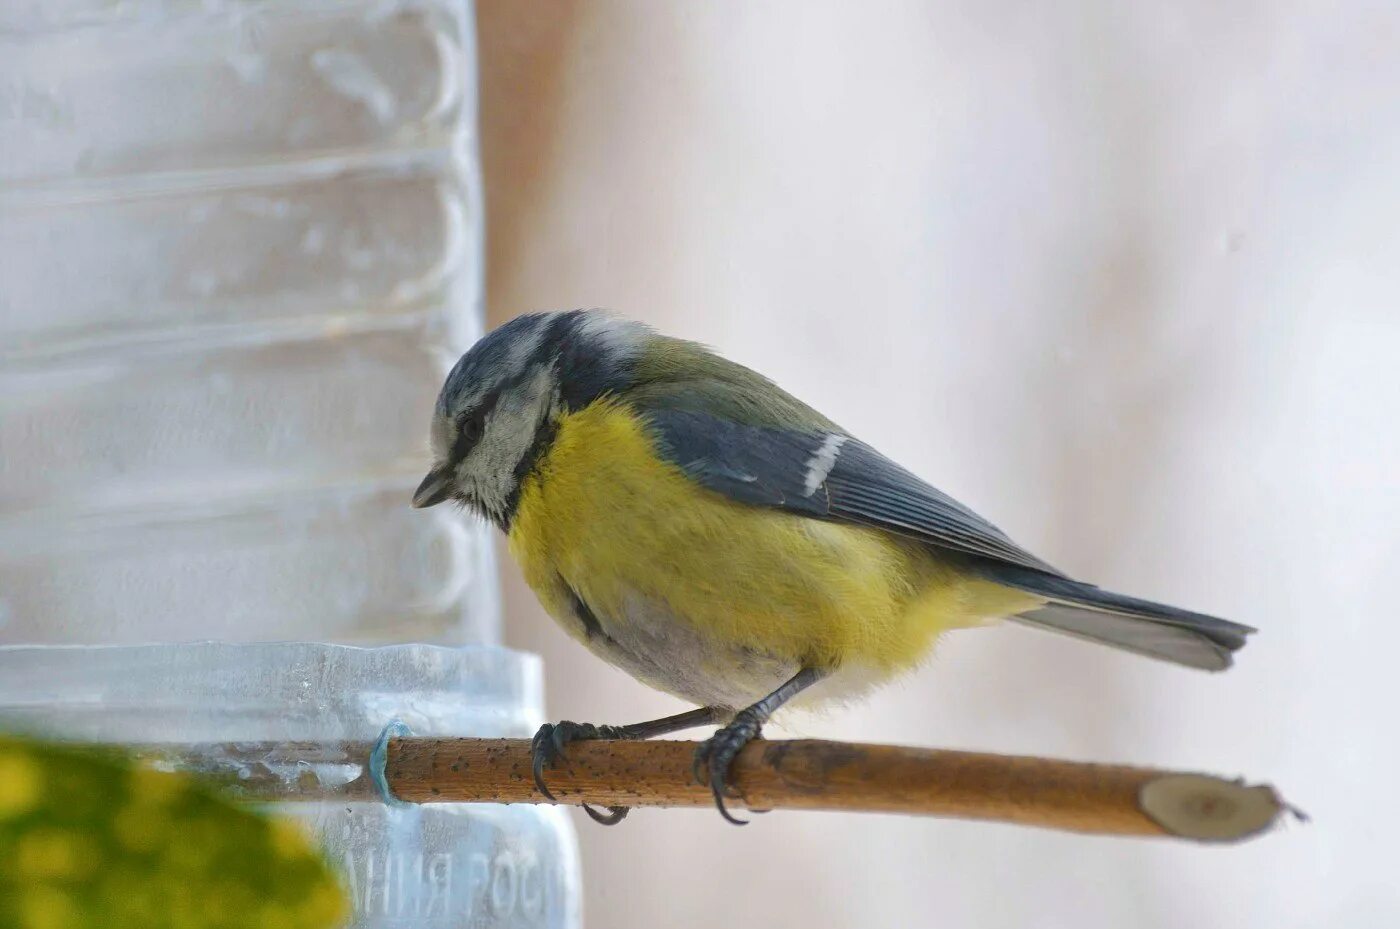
column 1210, row 809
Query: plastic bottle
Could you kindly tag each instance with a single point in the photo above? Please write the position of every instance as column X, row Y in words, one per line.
column 240, row 245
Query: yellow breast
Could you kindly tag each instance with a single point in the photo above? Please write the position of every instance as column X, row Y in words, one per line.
column 604, row 518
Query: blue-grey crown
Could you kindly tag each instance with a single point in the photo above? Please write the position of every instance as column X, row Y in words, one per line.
column 590, row 352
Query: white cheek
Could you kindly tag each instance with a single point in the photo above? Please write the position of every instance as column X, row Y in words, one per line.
column 614, row 337
column 488, row 472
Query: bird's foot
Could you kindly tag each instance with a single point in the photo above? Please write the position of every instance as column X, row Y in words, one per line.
column 718, row 752
column 547, row 749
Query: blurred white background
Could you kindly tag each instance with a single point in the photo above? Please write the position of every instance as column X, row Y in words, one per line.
column 1124, row 277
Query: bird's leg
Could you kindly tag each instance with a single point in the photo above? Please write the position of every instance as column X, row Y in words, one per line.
column 719, row 751
column 549, row 742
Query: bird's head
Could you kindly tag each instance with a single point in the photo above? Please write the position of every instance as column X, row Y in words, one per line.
column 498, row 409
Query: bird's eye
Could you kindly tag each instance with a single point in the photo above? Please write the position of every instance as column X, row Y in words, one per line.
column 470, row 427
column 469, row 432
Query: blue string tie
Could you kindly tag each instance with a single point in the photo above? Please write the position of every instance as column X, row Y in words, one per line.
column 379, row 761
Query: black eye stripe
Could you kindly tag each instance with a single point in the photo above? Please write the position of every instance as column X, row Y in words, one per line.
column 470, row 426
column 468, row 434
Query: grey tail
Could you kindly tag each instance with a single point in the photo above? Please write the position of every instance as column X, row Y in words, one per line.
column 1133, row 625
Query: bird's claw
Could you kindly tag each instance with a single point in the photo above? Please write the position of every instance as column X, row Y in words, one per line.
column 718, row 752
column 547, row 749
column 612, row 817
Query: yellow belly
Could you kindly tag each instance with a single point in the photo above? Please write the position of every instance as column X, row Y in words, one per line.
column 713, row 598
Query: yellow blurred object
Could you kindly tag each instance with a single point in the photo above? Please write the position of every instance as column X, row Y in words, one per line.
column 88, row 839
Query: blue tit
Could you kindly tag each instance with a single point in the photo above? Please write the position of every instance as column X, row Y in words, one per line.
column 695, row 525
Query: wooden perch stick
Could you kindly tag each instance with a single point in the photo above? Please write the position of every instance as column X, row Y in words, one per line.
column 818, row 775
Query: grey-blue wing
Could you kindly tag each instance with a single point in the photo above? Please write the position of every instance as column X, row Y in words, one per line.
column 827, row 475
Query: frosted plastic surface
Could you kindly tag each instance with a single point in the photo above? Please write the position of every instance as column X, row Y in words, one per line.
column 230, row 84
column 363, row 243
column 428, row 867
column 241, row 249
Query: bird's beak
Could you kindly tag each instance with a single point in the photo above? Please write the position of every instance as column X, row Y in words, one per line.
column 435, row 488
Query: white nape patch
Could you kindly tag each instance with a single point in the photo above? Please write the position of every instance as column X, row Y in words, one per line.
column 620, row 338
column 821, row 463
